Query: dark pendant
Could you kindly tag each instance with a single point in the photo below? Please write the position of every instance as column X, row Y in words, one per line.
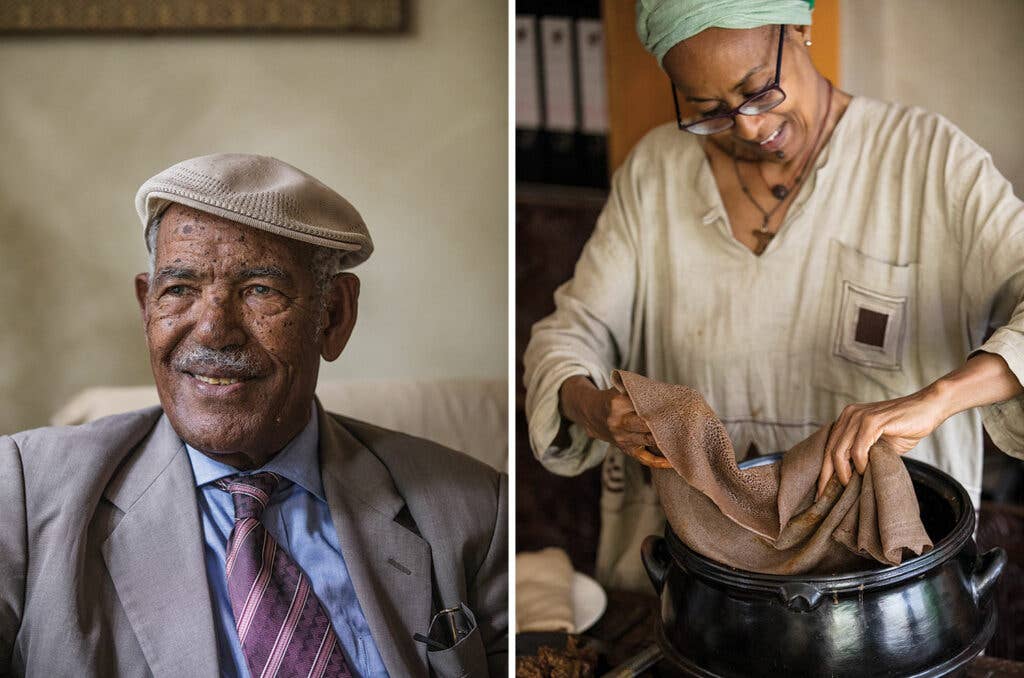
column 780, row 192
column 763, row 238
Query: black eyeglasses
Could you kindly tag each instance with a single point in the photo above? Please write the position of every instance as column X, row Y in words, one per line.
column 762, row 102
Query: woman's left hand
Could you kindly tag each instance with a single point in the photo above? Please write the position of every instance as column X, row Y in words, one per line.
column 898, row 424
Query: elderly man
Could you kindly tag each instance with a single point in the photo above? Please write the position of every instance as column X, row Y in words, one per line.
column 239, row 529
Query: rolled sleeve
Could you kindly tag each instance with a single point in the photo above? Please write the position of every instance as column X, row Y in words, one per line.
column 589, row 333
column 1005, row 421
column 992, row 231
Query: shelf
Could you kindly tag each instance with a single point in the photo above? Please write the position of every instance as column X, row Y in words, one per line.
column 554, row 195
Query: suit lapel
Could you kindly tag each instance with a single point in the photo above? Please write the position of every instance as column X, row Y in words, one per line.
column 390, row 565
column 155, row 558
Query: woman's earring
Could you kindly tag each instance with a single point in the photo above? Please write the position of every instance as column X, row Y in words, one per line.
column 807, row 43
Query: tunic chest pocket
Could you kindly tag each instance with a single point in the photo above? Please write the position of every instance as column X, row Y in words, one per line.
column 865, row 322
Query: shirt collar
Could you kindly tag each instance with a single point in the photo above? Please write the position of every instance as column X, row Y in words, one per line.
column 298, row 462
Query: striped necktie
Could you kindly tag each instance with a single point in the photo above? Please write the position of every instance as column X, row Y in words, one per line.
column 282, row 627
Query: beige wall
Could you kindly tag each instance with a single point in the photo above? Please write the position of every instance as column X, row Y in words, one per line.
column 961, row 58
column 411, row 128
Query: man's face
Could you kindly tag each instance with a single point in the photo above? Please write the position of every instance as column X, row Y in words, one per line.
column 233, row 322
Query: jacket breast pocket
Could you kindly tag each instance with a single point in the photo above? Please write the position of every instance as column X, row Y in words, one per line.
column 467, row 658
column 865, row 325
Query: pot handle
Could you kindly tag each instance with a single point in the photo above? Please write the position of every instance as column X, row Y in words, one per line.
column 654, row 553
column 800, row 597
column 986, row 571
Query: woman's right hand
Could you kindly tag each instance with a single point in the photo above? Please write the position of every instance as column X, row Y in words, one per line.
column 609, row 416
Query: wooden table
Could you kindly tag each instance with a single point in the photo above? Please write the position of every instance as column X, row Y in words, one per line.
column 631, row 620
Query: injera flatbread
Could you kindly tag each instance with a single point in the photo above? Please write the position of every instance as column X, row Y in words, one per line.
column 765, row 519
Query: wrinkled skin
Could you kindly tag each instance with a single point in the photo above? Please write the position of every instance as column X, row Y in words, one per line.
column 228, row 301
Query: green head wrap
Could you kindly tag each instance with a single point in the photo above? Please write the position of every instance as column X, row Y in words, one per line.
column 663, row 24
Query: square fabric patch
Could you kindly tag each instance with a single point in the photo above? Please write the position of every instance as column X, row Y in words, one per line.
column 871, row 327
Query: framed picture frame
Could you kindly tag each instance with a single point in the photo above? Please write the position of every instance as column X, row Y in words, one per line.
column 47, row 17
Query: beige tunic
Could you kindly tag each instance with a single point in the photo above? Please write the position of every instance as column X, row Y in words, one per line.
column 902, row 247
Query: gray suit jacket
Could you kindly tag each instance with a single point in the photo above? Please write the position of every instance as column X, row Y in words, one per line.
column 101, row 549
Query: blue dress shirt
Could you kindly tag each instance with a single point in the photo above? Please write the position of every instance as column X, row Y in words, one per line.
column 299, row 519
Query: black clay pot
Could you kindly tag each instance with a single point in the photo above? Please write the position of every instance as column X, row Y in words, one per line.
column 927, row 617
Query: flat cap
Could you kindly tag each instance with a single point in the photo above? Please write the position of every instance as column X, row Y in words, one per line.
column 261, row 192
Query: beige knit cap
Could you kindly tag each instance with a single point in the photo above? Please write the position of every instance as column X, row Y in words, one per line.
column 261, row 192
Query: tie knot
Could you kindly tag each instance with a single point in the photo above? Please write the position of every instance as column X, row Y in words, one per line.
column 250, row 493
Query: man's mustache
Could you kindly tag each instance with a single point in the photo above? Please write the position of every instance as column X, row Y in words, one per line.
column 203, row 360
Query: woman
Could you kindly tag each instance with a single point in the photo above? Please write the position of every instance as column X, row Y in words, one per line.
column 797, row 255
